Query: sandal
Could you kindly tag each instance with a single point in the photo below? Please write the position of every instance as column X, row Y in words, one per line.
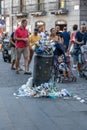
column 27, row 73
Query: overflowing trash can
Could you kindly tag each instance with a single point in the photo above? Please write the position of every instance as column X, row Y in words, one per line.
column 42, row 68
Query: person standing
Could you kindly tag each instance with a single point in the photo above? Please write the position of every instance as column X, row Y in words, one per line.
column 22, row 43
column 58, row 48
column 72, row 43
column 41, row 33
column 66, row 38
column 13, row 51
column 33, row 38
column 79, row 42
column 85, row 37
column 53, row 35
column 59, row 34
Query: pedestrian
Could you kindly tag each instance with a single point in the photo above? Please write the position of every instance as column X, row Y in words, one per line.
column 33, row 38
column 72, row 43
column 13, row 51
column 58, row 48
column 47, row 34
column 85, row 37
column 53, row 35
column 59, row 34
column 41, row 33
column 58, row 31
column 66, row 38
column 21, row 36
column 79, row 42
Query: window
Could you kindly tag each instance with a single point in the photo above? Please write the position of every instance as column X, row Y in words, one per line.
column 62, row 4
column 21, row 6
column 40, row 5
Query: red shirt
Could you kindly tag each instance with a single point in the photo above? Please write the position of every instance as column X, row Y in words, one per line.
column 21, row 33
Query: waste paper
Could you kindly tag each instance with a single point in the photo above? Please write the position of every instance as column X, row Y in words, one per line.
column 44, row 90
column 48, row 90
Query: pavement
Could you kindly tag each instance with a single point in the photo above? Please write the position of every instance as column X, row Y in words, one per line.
column 25, row 113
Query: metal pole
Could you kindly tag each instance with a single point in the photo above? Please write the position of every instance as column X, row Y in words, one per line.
column 12, row 14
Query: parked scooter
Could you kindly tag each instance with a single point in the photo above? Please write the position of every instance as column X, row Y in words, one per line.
column 6, row 51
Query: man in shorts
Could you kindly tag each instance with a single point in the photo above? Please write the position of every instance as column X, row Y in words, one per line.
column 22, row 43
column 77, row 47
column 13, row 51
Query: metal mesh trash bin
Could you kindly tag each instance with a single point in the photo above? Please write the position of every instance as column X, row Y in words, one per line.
column 42, row 68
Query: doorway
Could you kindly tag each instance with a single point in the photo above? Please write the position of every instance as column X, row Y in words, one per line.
column 40, row 24
column 61, row 23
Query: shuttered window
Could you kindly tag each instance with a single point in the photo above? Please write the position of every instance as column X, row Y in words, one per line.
column 62, row 4
column 40, row 5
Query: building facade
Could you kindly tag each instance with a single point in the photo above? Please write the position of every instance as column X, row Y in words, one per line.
column 46, row 13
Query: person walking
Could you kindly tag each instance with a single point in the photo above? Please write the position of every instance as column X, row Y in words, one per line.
column 13, row 51
column 22, row 43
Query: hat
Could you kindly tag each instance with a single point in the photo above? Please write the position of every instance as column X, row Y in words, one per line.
column 36, row 30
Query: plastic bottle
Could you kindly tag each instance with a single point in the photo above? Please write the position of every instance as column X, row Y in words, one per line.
column 54, row 87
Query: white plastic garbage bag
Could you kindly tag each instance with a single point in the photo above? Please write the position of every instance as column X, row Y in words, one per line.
column 29, row 82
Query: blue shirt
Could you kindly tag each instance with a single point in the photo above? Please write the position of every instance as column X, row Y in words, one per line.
column 66, row 38
column 79, row 37
column 85, row 38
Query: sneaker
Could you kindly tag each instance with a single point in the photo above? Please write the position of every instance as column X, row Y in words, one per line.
column 27, row 73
